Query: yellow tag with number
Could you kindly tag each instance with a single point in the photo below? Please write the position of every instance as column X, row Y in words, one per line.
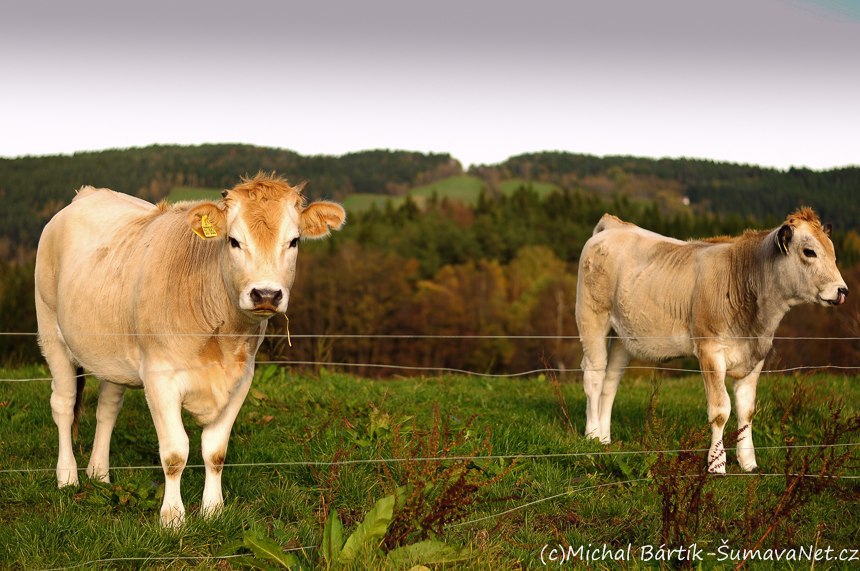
column 208, row 228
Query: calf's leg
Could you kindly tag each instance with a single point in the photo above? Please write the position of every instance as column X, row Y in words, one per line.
column 619, row 358
column 214, row 447
column 719, row 407
column 594, row 361
column 165, row 404
column 744, row 390
column 64, row 390
column 110, row 403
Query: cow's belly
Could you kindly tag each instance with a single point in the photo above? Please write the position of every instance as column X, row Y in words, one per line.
column 652, row 343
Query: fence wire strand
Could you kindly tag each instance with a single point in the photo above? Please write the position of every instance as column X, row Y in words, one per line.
column 464, row 372
column 559, row 455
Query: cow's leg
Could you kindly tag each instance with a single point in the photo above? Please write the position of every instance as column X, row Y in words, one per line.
column 744, row 390
column 214, row 447
column 165, row 404
column 64, row 390
column 619, row 358
column 719, row 407
column 110, row 403
column 594, row 360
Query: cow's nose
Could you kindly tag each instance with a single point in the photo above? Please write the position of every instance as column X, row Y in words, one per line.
column 843, row 295
column 263, row 297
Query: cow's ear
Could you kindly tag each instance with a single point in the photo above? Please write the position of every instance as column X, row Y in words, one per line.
column 316, row 219
column 827, row 229
column 783, row 237
column 208, row 221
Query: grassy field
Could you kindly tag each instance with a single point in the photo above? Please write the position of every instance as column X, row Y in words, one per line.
column 503, row 513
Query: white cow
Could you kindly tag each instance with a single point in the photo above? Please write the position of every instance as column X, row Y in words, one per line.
column 720, row 300
column 171, row 299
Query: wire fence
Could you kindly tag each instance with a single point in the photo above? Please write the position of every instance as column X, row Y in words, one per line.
column 445, row 370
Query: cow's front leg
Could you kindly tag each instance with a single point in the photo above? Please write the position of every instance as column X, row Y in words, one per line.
column 110, row 403
column 744, row 390
column 719, row 407
column 214, row 446
column 165, row 404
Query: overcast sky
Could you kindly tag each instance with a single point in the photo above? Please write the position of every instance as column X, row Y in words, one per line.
column 769, row 82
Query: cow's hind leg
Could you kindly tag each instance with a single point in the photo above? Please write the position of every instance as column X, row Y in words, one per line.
column 619, row 358
column 744, row 390
column 594, row 361
column 110, row 403
column 64, row 398
column 214, row 447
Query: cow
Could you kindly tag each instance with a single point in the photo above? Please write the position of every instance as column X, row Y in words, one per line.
column 721, row 299
column 173, row 299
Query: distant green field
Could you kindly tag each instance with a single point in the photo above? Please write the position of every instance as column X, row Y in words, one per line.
column 188, row 193
column 362, row 202
column 464, row 188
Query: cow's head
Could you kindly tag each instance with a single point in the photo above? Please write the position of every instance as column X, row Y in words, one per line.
column 807, row 260
column 260, row 223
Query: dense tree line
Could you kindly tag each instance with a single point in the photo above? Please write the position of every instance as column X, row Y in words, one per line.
column 34, row 188
column 725, row 188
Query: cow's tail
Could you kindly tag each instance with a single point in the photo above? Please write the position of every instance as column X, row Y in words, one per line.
column 79, row 401
column 609, row 221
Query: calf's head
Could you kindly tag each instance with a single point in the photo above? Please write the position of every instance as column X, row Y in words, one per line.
column 807, row 260
column 259, row 224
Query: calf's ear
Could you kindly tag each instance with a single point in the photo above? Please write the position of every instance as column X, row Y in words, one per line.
column 208, row 221
column 783, row 237
column 316, row 219
column 827, row 229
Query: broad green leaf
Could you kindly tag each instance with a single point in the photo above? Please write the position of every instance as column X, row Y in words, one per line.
column 332, row 539
column 428, row 552
column 371, row 530
column 265, row 548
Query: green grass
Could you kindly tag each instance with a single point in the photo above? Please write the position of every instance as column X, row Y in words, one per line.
column 301, row 416
column 187, row 193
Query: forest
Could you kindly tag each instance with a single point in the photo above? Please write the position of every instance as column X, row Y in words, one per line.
column 502, row 266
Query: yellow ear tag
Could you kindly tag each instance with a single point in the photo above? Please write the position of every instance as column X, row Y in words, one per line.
column 208, row 228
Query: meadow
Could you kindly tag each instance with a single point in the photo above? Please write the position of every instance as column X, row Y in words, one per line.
column 487, row 472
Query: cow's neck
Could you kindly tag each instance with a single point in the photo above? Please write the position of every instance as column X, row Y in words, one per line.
column 757, row 289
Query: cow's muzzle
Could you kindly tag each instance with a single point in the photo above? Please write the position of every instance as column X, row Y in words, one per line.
column 266, row 300
column 841, row 296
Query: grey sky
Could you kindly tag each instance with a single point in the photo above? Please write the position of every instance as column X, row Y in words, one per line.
column 758, row 81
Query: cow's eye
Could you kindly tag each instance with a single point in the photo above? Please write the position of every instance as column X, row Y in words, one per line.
column 809, row 253
column 294, row 243
column 234, row 242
